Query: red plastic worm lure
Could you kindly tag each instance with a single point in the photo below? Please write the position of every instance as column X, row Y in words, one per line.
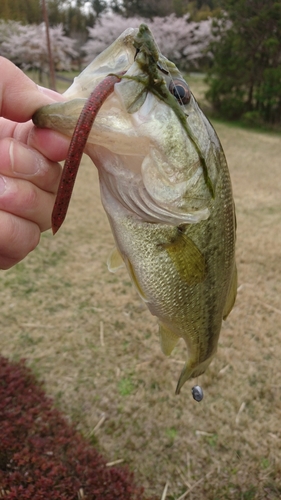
column 76, row 148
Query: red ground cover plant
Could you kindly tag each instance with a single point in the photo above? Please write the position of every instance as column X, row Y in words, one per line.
column 43, row 457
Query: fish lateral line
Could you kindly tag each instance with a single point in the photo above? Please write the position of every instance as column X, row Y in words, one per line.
column 77, row 146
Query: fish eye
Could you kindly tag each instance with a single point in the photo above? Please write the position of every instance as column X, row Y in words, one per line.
column 180, row 90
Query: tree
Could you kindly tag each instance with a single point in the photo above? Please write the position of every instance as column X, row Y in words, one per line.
column 75, row 16
column 99, row 6
column 26, row 11
column 245, row 77
column 148, row 8
column 197, row 9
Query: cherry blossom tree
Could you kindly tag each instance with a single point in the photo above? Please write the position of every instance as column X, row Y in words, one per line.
column 25, row 45
column 183, row 41
column 7, row 29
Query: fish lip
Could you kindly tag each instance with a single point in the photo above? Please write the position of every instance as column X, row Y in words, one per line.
column 82, row 85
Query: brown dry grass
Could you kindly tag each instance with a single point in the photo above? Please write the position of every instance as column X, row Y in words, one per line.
column 85, row 332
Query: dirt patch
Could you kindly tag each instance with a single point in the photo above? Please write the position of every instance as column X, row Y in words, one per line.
column 85, row 332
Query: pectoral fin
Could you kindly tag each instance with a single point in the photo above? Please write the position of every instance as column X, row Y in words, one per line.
column 168, row 339
column 187, row 258
column 230, row 300
column 115, row 261
column 135, row 280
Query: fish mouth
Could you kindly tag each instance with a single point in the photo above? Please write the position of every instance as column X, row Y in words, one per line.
column 140, row 141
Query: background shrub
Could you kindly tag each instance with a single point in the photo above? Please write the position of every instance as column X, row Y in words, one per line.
column 42, row 456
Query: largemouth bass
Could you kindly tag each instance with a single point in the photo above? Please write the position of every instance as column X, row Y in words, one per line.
column 166, row 189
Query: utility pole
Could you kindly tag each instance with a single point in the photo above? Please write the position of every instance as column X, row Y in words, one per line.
column 50, row 56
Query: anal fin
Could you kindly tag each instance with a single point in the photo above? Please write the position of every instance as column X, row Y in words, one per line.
column 135, row 280
column 168, row 339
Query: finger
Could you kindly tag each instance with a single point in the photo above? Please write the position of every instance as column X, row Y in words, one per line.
column 18, row 238
column 25, row 200
column 50, row 93
column 51, row 144
column 21, row 161
column 20, row 97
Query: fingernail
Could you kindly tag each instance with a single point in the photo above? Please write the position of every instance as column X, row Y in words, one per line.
column 3, row 185
column 24, row 161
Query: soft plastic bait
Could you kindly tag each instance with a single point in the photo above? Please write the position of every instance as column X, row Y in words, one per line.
column 76, row 148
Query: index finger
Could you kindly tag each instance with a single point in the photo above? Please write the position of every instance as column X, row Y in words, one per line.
column 20, row 97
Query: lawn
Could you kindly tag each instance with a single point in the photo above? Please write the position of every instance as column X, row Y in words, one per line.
column 85, row 333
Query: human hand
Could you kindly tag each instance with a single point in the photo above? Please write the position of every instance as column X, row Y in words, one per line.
column 29, row 172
